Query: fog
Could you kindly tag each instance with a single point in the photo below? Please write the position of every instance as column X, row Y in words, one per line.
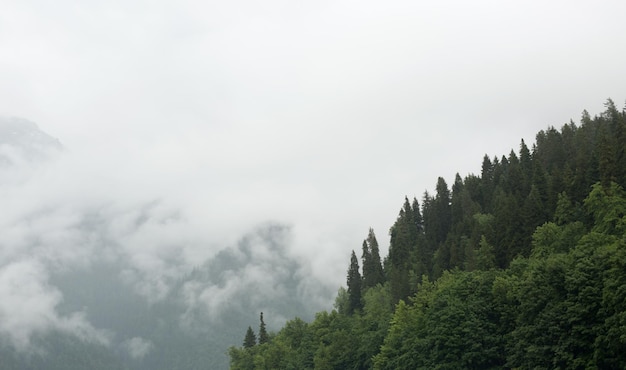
column 61, row 223
column 259, row 140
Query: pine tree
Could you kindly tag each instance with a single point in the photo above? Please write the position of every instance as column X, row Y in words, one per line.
column 372, row 266
column 417, row 217
column 263, row 337
column 438, row 221
column 526, row 167
column 354, row 285
column 487, row 183
column 443, row 211
column 250, row 339
column 456, row 206
column 366, row 258
column 420, row 257
column 515, row 183
column 428, row 246
column 377, row 266
column 403, row 241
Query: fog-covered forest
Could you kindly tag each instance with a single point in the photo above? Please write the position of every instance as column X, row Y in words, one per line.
column 100, row 283
column 520, row 266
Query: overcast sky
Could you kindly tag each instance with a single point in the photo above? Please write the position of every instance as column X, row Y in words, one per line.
column 321, row 115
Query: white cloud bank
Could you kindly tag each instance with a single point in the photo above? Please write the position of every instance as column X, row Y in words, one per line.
column 28, row 306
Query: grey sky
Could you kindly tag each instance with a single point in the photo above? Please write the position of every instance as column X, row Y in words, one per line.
column 320, row 114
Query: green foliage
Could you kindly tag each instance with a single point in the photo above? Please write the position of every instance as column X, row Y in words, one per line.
column 611, row 339
column 607, row 205
column 454, row 323
column 354, row 285
column 249, row 340
column 241, row 359
column 263, row 336
column 485, row 256
column 566, row 211
column 523, row 267
column 562, row 313
column 373, row 325
column 403, row 240
column 341, row 301
column 372, row 266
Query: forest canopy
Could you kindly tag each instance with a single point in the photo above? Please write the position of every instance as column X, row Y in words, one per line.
column 521, row 266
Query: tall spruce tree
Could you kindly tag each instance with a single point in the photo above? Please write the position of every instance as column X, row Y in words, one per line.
column 372, row 266
column 421, row 259
column 526, row 168
column 443, row 211
column 249, row 340
column 487, row 183
column 417, row 216
column 263, row 336
column 403, row 240
column 429, row 244
column 377, row 266
column 354, row 285
column 438, row 222
column 366, row 257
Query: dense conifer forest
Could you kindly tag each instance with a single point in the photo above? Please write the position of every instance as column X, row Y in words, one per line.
column 522, row 266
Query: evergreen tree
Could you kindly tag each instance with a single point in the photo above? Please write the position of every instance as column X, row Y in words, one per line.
column 263, row 336
column 547, row 191
column 250, row 339
column 403, row 239
column 515, row 178
column 437, row 224
column 417, row 217
column 366, row 257
column 372, row 266
column 607, row 158
column 354, row 285
column 428, row 245
column 505, row 210
column 565, row 212
column 560, row 304
column 487, row 183
column 456, row 206
column 443, row 211
column 377, row 266
column 421, row 257
column 500, row 168
column 526, row 167
column 485, row 257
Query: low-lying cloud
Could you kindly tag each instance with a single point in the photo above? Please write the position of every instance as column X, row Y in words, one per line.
column 28, row 306
column 54, row 225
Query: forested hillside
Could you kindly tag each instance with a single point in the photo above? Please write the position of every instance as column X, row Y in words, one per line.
column 520, row 267
column 167, row 334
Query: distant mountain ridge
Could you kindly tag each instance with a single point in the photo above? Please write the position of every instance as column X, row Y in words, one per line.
column 185, row 318
column 22, row 140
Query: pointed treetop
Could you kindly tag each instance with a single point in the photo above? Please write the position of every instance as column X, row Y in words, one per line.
column 372, row 266
column 417, row 215
column 524, row 155
column 354, row 285
column 250, row 339
column 263, row 336
column 486, row 173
